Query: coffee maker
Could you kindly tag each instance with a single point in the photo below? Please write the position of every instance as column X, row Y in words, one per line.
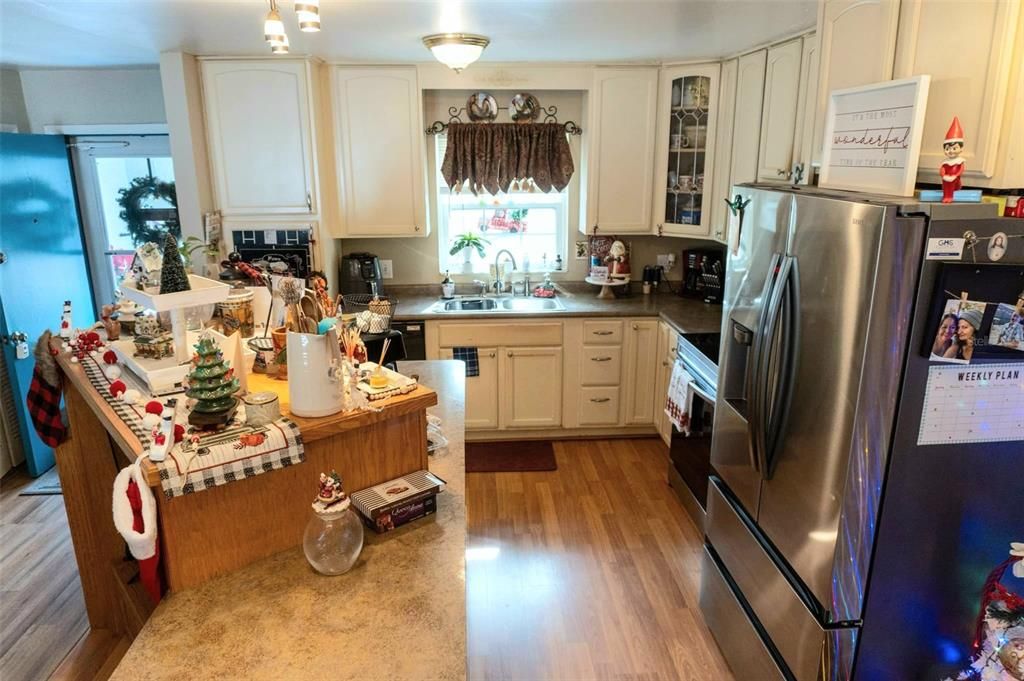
column 360, row 273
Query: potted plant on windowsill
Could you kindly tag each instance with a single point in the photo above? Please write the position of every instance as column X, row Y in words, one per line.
column 467, row 243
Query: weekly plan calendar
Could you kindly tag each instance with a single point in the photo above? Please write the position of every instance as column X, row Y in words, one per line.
column 983, row 403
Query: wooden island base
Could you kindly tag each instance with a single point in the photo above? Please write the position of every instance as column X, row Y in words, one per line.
column 224, row 528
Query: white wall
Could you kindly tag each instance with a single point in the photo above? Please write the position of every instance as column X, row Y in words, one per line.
column 92, row 96
column 12, row 101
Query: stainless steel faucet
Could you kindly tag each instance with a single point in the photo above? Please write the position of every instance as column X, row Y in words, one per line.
column 498, row 285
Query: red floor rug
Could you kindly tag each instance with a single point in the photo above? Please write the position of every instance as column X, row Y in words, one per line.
column 508, row 457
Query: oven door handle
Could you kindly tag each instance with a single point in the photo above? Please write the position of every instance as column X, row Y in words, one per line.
column 696, row 388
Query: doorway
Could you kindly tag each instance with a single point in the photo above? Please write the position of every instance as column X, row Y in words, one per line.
column 126, row 192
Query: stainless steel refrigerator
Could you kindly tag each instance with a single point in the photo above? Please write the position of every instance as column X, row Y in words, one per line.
column 824, row 292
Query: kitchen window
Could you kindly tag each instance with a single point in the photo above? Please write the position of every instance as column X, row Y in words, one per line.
column 532, row 225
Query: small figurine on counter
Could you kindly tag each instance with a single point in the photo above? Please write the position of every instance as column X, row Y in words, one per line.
column 952, row 168
column 330, row 494
column 618, row 261
column 65, row 321
column 151, row 341
column 110, row 322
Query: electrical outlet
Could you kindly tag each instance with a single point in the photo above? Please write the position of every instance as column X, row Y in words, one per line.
column 666, row 260
column 387, row 269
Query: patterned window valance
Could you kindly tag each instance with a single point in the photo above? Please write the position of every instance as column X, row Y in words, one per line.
column 490, row 156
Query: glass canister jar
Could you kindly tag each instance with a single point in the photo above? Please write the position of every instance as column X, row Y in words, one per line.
column 333, row 538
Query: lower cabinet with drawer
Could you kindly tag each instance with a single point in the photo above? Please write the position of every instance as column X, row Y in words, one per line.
column 569, row 375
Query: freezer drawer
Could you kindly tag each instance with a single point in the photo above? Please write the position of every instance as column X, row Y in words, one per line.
column 805, row 645
column 736, row 635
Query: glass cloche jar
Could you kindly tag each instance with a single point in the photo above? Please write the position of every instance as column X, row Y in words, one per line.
column 333, row 538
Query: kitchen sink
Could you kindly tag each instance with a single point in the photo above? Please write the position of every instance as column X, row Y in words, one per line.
column 497, row 305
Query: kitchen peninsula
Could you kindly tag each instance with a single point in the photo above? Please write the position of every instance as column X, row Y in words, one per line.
column 238, row 578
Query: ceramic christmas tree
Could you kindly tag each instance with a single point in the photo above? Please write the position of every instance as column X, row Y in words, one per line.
column 172, row 275
column 212, row 384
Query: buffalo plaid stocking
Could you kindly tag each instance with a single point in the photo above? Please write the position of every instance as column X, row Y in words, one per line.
column 43, row 397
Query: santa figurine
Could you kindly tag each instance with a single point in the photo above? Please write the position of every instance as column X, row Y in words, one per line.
column 953, row 167
column 618, row 261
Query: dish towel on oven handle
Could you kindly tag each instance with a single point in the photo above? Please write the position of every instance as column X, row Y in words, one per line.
column 679, row 400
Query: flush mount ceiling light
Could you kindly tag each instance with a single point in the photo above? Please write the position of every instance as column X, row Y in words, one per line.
column 456, row 50
column 308, row 14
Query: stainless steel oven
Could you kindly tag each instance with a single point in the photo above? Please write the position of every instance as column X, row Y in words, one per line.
column 690, row 453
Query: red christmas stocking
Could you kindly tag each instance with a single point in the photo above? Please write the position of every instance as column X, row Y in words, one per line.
column 43, row 399
column 135, row 520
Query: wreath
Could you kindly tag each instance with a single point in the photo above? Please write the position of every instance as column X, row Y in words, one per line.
column 144, row 223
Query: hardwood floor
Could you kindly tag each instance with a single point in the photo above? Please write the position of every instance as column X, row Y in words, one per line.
column 588, row 572
column 41, row 604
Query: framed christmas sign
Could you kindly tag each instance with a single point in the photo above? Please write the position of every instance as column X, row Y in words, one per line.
column 873, row 137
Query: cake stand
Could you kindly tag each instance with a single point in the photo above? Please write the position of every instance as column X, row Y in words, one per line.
column 607, row 286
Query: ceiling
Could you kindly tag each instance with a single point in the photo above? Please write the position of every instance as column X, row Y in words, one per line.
column 98, row 33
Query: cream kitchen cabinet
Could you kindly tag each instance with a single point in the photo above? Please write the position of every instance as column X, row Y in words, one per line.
column 722, row 180
column 530, row 386
column 803, row 144
column 779, row 111
column 857, row 41
column 379, row 151
column 481, row 391
column 620, row 162
column 684, row 154
column 666, row 357
column 260, row 135
column 974, row 53
column 746, row 137
column 641, row 350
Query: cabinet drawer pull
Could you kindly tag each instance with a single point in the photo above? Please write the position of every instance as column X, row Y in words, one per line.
column 491, row 355
column 599, row 400
column 509, row 353
column 635, row 327
column 603, row 333
column 600, row 359
column 666, row 364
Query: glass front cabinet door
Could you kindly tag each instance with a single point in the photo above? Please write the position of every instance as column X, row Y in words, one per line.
column 685, row 153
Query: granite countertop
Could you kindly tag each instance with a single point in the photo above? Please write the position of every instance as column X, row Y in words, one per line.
column 686, row 315
column 400, row 613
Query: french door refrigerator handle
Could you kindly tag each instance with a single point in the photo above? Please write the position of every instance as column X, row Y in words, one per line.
column 753, row 369
column 764, row 352
column 783, row 394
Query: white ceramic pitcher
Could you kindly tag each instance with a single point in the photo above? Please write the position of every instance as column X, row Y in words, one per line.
column 314, row 378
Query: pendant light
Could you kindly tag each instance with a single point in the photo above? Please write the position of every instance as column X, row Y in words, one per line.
column 456, row 50
column 308, row 14
column 281, row 47
column 273, row 28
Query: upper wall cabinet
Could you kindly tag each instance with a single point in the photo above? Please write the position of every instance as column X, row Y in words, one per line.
column 857, row 40
column 685, row 151
column 970, row 49
column 620, row 166
column 260, row 136
column 746, row 140
column 722, row 181
column 379, row 142
column 779, row 112
column 803, row 144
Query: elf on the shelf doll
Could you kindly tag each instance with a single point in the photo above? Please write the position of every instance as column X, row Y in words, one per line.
column 953, row 167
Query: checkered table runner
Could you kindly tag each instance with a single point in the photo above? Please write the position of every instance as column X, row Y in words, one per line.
column 217, row 458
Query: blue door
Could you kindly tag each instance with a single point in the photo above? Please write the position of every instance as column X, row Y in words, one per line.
column 43, row 261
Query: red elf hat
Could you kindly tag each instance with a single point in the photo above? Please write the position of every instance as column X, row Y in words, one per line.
column 955, row 132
